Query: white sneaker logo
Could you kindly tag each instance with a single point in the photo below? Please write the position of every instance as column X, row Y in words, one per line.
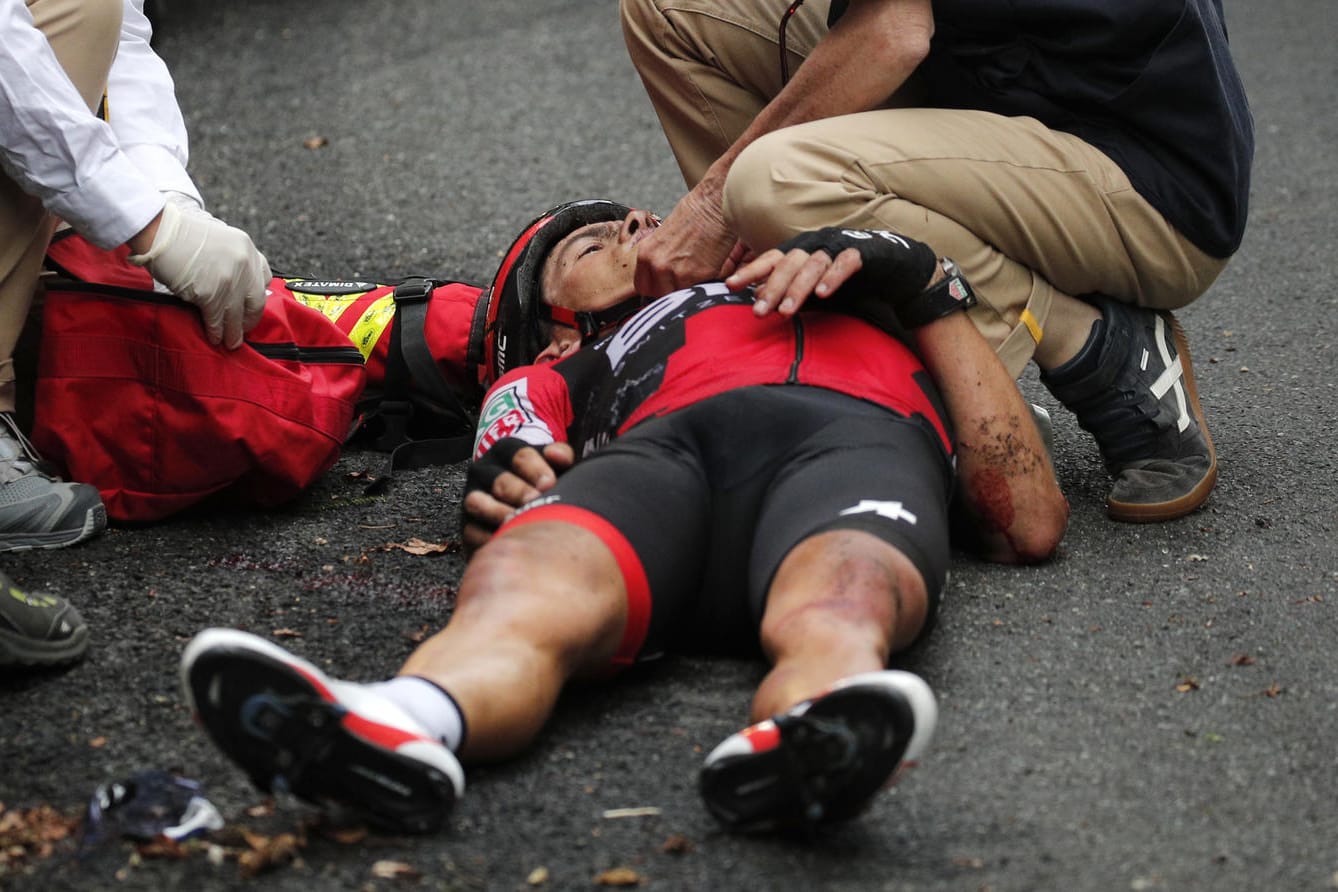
column 1171, row 378
column 890, row 510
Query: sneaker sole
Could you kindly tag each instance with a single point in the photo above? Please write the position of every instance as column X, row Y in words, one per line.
column 95, row 521
column 289, row 737
column 1157, row 512
column 17, row 650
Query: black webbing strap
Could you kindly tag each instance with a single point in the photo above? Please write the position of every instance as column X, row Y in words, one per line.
column 395, row 408
column 409, row 340
column 409, row 362
column 413, row 454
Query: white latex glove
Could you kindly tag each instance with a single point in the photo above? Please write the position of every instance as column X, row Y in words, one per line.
column 215, row 266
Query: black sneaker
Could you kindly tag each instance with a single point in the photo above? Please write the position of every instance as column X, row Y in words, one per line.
column 1139, row 400
column 335, row 743
column 38, row 509
column 38, row 629
column 823, row 760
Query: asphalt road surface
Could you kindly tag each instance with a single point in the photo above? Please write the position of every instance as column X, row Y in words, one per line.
column 1154, row 710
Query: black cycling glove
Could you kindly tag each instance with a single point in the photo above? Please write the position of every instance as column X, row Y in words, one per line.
column 484, row 471
column 895, row 268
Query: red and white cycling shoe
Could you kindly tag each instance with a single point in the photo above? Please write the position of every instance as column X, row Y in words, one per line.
column 333, row 743
column 824, row 759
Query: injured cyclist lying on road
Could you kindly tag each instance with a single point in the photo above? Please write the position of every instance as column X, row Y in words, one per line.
column 767, row 465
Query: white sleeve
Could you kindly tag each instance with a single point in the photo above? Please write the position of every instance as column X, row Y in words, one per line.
column 56, row 149
column 142, row 107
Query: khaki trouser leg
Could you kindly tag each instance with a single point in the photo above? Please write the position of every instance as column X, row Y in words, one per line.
column 709, row 66
column 84, row 35
column 1026, row 211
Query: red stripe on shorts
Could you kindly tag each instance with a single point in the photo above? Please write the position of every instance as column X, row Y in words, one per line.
column 629, row 565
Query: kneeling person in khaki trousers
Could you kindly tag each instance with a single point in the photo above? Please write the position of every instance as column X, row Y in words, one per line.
column 1086, row 164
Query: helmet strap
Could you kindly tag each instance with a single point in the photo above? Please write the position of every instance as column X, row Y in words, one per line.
column 592, row 323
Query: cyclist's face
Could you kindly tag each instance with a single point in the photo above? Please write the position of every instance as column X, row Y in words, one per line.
column 592, row 268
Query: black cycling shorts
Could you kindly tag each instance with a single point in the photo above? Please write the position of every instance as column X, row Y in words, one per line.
column 701, row 506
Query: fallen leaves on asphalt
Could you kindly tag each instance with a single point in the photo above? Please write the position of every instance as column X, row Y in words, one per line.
column 31, row 834
column 163, row 848
column 268, row 852
column 261, row 810
column 619, row 876
column 422, row 547
column 394, row 870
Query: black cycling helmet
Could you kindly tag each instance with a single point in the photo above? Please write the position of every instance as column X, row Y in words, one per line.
column 512, row 308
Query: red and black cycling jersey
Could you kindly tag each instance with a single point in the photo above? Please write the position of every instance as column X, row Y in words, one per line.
column 695, row 344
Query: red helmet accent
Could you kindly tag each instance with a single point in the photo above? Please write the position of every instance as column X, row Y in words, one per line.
column 510, row 306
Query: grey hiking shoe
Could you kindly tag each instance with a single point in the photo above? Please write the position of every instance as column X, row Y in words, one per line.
column 38, row 509
column 38, row 629
column 1140, row 402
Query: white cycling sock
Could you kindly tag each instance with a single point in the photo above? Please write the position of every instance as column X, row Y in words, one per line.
column 428, row 704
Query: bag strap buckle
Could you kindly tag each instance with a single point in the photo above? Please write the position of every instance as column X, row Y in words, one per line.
column 414, row 291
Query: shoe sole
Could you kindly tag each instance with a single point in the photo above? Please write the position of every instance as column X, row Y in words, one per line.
column 786, row 787
column 289, row 736
column 17, row 650
column 95, row 521
column 1157, row 512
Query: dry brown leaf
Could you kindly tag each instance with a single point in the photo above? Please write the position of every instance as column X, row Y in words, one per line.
column 1189, row 684
column 393, row 870
column 98, row 743
column 262, row 810
column 619, row 876
column 56, row 830
column 286, row 633
column 538, row 876
column 348, row 836
column 676, row 844
column 267, row 852
column 29, row 833
column 1241, row 660
column 315, row 142
column 254, row 840
column 419, row 546
column 1273, row 690
column 162, row 847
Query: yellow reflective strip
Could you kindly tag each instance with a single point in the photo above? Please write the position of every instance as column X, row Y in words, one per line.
column 331, row 306
column 372, row 323
column 1032, row 324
